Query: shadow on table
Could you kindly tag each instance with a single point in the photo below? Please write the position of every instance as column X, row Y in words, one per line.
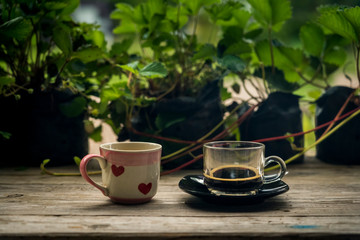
column 276, row 204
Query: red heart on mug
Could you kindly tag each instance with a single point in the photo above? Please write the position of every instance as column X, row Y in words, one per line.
column 144, row 188
column 117, row 171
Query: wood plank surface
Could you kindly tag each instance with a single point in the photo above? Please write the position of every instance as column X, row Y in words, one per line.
column 323, row 203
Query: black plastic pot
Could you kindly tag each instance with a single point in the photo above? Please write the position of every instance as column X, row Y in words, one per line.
column 343, row 146
column 278, row 115
column 198, row 116
column 40, row 131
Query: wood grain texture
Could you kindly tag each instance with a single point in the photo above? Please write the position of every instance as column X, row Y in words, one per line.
column 323, row 203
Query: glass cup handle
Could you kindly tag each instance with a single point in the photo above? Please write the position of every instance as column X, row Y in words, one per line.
column 84, row 174
column 282, row 171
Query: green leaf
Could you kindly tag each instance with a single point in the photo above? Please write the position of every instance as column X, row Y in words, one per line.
column 337, row 23
column 313, row 39
column 280, row 12
column 253, row 33
column 153, row 70
column 294, row 57
column 154, row 22
column 271, row 13
column 18, row 28
column 123, row 10
column 314, row 94
column 71, row 6
column 328, row 8
column 98, row 38
column 242, row 17
column 335, row 56
column 96, row 134
column 353, row 16
column 62, row 39
column 224, row 93
column 194, row 6
column 233, row 63
column 262, row 11
column 236, row 87
column 277, row 80
column 125, row 27
column 285, row 58
column 5, row 80
column 177, row 21
column 239, row 47
column 55, row 4
column 73, row 108
column 153, row 7
column 77, row 160
column 206, row 51
column 121, row 47
column 233, row 43
column 108, row 94
column 262, row 50
column 88, row 54
column 131, row 67
column 5, row 135
column 128, row 16
column 222, row 11
column 117, row 82
column 233, row 34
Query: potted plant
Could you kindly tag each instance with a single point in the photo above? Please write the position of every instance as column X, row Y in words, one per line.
column 44, row 92
column 269, row 74
column 247, row 50
column 186, row 101
column 339, row 26
column 278, row 73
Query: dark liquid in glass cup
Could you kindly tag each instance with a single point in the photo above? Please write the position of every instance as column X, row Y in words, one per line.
column 233, row 179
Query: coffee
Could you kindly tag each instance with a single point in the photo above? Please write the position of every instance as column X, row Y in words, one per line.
column 233, row 178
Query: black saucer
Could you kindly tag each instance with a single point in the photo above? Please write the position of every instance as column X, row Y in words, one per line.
column 194, row 185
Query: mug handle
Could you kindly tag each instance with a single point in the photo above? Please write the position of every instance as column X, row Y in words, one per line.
column 84, row 174
column 275, row 177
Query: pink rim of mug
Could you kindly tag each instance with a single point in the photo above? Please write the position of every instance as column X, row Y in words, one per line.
column 131, row 157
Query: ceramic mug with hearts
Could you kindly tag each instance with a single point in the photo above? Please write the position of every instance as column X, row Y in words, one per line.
column 130, row 171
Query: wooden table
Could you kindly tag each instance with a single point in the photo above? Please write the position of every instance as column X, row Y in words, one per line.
column 323, row 203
